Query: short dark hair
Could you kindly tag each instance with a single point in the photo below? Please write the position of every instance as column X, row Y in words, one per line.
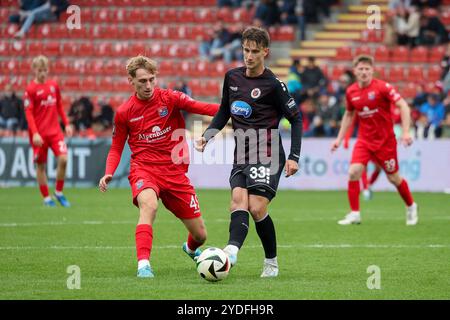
column 363, row 58
column 259, row 35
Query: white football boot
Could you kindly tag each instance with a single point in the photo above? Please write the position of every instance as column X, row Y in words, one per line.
column 353, row 217
column 270, row 268
column 412, row 215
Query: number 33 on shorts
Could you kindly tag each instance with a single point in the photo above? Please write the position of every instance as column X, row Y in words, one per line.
column 260, row 173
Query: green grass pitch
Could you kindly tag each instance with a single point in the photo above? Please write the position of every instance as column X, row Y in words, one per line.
column 318, row 258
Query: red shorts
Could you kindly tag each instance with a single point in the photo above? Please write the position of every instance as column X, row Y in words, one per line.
column 175, row 191
column 385, row 157
column 56, row 143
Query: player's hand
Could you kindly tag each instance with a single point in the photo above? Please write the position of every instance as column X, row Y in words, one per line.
column 103, row 184
column 37, row 140
column 69, row 130
column 290, row 168
column 200, row 144
column 406, row 139
column 335, row 145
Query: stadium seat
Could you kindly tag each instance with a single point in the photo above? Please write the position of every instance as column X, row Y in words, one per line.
column 436, row 55
column 169, row 16
column 337, row 71
column 71, row 83
column 415, row 74
column 344, row 53
column 88, row 83
column 396, row 74
column 217, row 69
column 212, row 88
column 381, row 54
column 380, row 72
column 136, row 15
column 408, row 91
column 205, row 15
column 69, row 49
column 434, row 73
column 4, row 48
column 106, row 84
column 85, row 49
column 399, row 54
column 52, row 48
column 419, row 55
column 286, row 33
column 363, row 50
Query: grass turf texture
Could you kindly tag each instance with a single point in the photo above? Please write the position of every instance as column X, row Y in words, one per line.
column 318, row 258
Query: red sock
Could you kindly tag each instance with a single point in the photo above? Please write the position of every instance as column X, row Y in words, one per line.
column 374, row 176
column 406, row 195
column 364, row 180
column 44, row 190
column 144, row 239
column 192, row 244
column 59, row 185
column 353, row 195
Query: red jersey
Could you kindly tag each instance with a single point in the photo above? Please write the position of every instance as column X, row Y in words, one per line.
column 149, row 126
column 42, row 103
column 373, row 108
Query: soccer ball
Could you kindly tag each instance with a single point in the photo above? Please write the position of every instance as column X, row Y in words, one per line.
column 213, row 264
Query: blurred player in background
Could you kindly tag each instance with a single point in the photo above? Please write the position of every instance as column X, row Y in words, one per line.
column 255, row 100
column 42, row 103
column 149, row 120
column 371, row 99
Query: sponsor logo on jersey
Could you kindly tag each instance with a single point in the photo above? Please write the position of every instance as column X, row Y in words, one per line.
column 291, row 103
column 241, row 108
column 256, row 93
column 371, row 95
column 233, row 88
column 366, row 112
column 157, row 134
column 39, row 92
column 26, row 103
column 356, row 98
column 163, row 111
column 50, row 101
column 136, row 119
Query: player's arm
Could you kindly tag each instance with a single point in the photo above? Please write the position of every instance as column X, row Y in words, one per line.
column 59, row 107
column 28, row 104
column 405, row 115
column 291, row 112
column 219, row 121
column 183, row 101
column 119, row 137
column 346, row 123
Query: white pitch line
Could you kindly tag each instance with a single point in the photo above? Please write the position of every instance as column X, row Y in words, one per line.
column 291, row 246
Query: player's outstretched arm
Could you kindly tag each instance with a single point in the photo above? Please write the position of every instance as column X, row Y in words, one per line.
column 346, row 122
column 103, row 184
column 405, row 115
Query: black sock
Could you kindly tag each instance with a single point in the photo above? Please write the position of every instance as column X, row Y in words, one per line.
column 238, row 227
column 266, row 232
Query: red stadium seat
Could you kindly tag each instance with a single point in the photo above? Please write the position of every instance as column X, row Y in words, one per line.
column 363, row 50
column 70, row 83
column 166, row 68
column 169, row 16
column 137, row 48
column 380, row 72
column 399, row 54
column 415, row 74
column 434, row 73
column 52, row 48
column 396, row 74
column 212, row 88
column 344, row 53
column 69, row 49
column 60, row 67
column 206, row 15
column 381, row 54
column 88, row 83
column 35, row 48
column 436, row 54
column 186, row 68
column 187, row 15
column 4, row 48
column 408, row 91
column 196, row 87
column 286, row 33
column 86, row 49
column 139, row 15
column 217, row 69
column 106, row 84
column 337, row 71
column 225, row 14
column 419, row 55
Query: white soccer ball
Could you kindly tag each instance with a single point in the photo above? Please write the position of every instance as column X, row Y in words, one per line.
column 213, row 264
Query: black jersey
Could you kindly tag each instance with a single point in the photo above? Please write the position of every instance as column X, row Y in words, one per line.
column 256, row 106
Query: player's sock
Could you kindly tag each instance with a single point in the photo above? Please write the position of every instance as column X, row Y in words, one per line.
column 192, row 245
column 144, row 239
column 238, row 227
column 374, row 176
column 406, row 195
column 353, row 194
column 142, row 263
column 266, row 232
column 59, row 187
column 44, row 191
column 364, row 180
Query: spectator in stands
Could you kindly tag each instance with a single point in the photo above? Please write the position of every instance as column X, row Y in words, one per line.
column 340, row 86
column 80, row 114
column 182, row 86
column 12, row 116
column 328, row 113
column 394, row 5
column 104, row 119
column 446, row 122
column 427, row 3
column 421, row 96
column 432, row 31
column 267, row 14
column 292, row 14
column 432, row 116
column 407, row 26
column 229, row 3
column 49, row 11
column 445, row 63
column 232, row 50
column 313, row 79
column 294, row 83
column 213, row 47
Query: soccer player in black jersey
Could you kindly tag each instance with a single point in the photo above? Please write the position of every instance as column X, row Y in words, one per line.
column 256, row 100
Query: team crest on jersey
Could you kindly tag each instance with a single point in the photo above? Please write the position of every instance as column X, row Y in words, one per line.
column 52, row 89
column 139, row 184
column 241, row 108
column 371, row 95
column 256, row 93
column 26, row 103
column 163, row 111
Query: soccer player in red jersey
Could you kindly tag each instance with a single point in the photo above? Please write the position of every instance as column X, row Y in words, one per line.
column 371, row 99
column 150, row 120
column 42, row 103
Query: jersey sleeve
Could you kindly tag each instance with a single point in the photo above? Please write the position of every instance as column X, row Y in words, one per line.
column 185, row 102
column 119, row 137
column 28, row 104
column 389, row 92
column 59, row 106
column 291, row 112
column 222, row 116
column 349, row 106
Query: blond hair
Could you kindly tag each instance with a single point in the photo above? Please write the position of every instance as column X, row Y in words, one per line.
column 363, row 58
column 40, row 62
column 141, row 62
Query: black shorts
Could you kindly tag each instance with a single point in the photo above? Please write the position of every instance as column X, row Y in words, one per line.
column 258, row 179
